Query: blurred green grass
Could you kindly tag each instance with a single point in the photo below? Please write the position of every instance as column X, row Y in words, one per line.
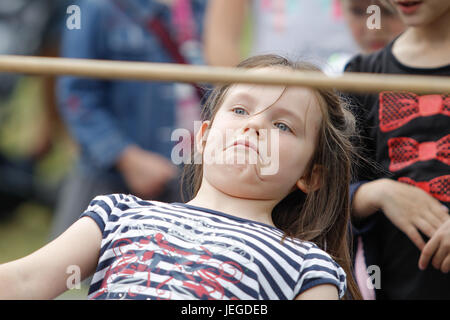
column 24, row 232
column 22, row 116
column 27, row 231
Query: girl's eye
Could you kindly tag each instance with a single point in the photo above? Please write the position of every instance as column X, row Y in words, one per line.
column 283, row 127
column 240, row 111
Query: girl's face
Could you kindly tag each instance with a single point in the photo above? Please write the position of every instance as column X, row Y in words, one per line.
column 421, row 12
column 369, row 40
column 267, row 136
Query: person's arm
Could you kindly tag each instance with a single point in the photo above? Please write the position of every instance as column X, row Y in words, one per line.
column 45, row 273
column 224, row 22
column 146, row 173
column 409, row 208
column 366, row 199
column 84, row 103
column 366, row 168
column 321, row 292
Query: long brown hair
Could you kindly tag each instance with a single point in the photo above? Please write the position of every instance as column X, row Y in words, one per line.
column 321, row 216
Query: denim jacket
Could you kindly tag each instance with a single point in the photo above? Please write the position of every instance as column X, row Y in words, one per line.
column 106, row 116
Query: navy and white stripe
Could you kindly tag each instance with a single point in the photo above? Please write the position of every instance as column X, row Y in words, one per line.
column 155, row 250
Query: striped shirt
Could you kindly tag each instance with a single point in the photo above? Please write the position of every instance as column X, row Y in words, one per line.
column 156, row 250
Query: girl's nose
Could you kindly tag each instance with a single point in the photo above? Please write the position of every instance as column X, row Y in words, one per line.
column 253, row 125
column 247, row 129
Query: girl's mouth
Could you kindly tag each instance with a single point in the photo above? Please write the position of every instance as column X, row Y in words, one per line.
column 246, row 144
column 408, row 6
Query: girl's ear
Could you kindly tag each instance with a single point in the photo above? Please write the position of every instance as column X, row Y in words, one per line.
column 314, row 183
column 200, row 138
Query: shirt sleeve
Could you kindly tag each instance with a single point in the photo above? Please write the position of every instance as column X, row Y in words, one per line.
column 365, row 168
column 319, row 268
column 101, row 208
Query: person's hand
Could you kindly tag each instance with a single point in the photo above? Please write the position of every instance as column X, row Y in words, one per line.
column 438, row 248
column 146, row 173
column 409, row 208
column 412, row 209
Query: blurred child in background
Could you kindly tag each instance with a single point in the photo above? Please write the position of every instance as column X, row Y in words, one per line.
column 371, row 28
column 327, row 33
column 298, row 29
column 401, row 210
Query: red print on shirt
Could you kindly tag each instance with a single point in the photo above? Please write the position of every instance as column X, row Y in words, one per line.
column 406, row 151
column 154, row 262
column 397, row 109
column 437, row 187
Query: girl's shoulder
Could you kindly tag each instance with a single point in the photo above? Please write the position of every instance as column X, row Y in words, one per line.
column 123, row 201
column 310, row 252
column 384, row 61
column 370, row 63
column 319, row 267
column 112, row 207
column 313, row 251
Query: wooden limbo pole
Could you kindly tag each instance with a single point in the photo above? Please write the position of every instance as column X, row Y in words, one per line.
column 124, row 70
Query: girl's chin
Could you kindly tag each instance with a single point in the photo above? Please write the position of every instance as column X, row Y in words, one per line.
column 243, row 183
column 240, row 171
column 417, row 20
column 243, row 191
column 414, row 21
column 235, row 178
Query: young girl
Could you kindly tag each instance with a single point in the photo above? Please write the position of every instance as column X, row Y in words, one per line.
column 408, row 134
column 244, row 235
column 371, row 40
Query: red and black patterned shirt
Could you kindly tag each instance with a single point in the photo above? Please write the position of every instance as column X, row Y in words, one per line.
column 408, row 135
